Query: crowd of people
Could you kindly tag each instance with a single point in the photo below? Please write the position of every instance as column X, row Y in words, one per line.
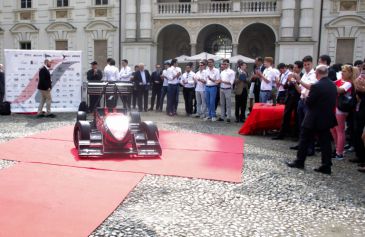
column 202, row 90
column 328, row 103
column 322, row 104
column 316, row 97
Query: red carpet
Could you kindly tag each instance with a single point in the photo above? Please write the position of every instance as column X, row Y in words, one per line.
column 188, row 155
column 169, row 140
column 45, row 200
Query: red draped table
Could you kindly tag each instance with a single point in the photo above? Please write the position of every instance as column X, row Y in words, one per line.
column 263, row 117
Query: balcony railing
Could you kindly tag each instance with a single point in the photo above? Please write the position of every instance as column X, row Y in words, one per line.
column 215, row 7
column 243, row 7
column 173, row 8
column 259, row 6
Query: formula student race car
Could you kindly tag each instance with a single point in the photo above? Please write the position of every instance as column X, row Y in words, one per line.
column 114, row 130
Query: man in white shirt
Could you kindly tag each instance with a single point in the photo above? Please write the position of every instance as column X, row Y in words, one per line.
column 111, row 74
column 165, row 85
column 267, row 79
column 227, row 77
column 304, row 85
column 281, row 81
column 125, row 75
column 106, row 68
column 188, row 83
column 200, row 80
column 211, row 90
column 173, row 74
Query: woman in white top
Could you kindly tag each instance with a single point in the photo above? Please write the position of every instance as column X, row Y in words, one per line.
column 344, row 86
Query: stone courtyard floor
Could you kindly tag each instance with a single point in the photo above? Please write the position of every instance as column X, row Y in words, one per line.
column 272, row 200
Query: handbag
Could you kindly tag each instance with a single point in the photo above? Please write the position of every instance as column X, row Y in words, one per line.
column 346, row 103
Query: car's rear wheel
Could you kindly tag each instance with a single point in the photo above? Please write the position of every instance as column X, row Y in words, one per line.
column 135, row 117
column 150, row 129
column 151, row 132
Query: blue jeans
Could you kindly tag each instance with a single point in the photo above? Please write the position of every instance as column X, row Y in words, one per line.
column 210, row 95
column 265, row 96
column 172, row 91
column 163, row 94
column 302, row 110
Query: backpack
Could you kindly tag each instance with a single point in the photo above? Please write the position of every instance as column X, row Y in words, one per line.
column 5, row 108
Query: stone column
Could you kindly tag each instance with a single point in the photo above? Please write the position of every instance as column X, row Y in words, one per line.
column 130, row 20
column 287, row 20
column 236, row 5
column 193, row 49
column 194, row 6
column 234, row 49
column 145, row 19
column 306, row 20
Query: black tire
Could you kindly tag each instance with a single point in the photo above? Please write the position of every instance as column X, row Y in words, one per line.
column 150, row 129
column 81, row 116
column 83, row 106
column 135, row 117
column 81, row 132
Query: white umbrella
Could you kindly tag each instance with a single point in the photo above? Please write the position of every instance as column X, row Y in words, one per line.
column 245, row 59
column 203, row 56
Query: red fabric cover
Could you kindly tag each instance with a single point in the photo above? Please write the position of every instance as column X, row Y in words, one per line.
column 46, row 200
column 188, row 155
column 263, row 117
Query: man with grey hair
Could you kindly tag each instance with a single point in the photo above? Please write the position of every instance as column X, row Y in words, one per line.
column 319, row 118
column 142, row 81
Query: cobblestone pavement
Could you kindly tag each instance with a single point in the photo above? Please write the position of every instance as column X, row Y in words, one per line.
column 272, row 200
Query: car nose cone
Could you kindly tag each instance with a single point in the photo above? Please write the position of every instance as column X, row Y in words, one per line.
column 117, row 125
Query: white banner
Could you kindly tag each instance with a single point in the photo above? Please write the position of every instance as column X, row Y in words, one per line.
column 21, row 79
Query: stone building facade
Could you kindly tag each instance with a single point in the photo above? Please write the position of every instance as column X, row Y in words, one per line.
column 87, row 25
column 151, row 31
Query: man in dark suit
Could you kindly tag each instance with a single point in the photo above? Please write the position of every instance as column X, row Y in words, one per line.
column 326, row 60
column 94, row 75
column 157, row 82
column 142, row 81
column 2, row 84
column 318, row 120
column 291, row 103
column 255, row 82
column 45, row 87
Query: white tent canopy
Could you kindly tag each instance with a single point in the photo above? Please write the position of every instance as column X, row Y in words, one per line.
column 245, row 59
column 203, row 56
column 183, row 59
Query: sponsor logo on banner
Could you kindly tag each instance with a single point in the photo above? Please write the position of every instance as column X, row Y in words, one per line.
column 21, row 75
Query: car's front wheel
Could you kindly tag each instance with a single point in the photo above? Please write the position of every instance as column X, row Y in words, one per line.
column 81, row 132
